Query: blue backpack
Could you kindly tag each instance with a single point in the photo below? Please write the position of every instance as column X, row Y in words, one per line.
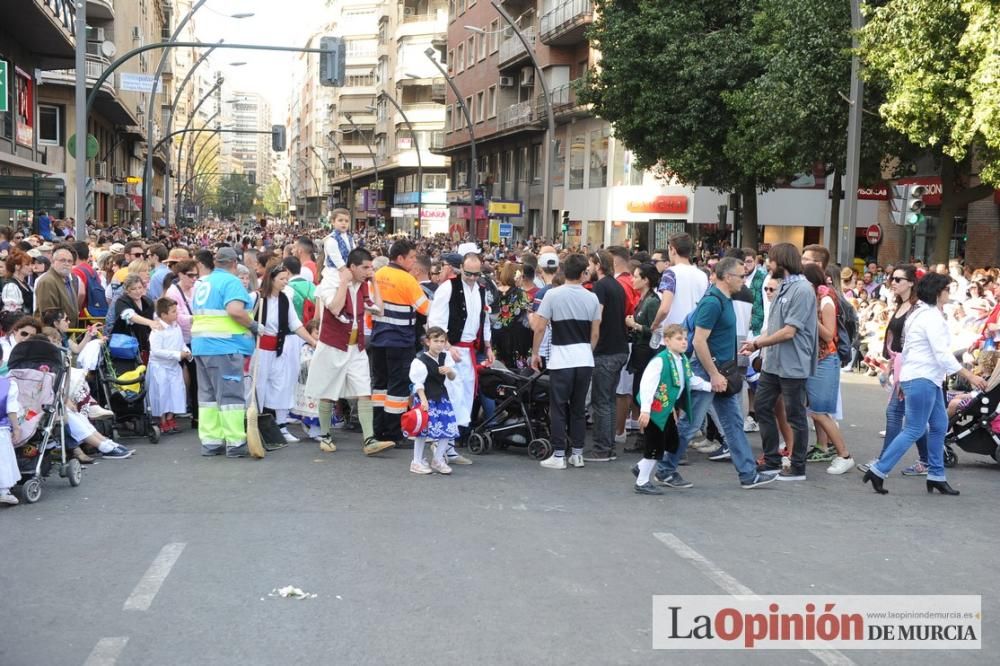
column 689, row 324
column 97, row 302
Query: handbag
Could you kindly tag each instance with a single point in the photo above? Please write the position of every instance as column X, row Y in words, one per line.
column 734, row 375
column 123, row 347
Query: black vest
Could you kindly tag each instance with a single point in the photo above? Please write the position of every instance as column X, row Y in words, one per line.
column 458, row 312
column 434, row 384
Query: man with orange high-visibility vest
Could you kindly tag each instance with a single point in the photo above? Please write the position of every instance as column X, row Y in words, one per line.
column 221, row 337
column 393, row 339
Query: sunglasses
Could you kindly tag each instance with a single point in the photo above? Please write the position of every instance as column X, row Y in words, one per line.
column 472, row 274
column 897, row 279
column 24, row 333
column 435, row 272
column 770, row 290
column 278, row 270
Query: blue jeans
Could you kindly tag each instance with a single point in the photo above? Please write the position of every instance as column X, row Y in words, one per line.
column 894, row 413
column 607, row 368
column 925, row 411
column 730, row 411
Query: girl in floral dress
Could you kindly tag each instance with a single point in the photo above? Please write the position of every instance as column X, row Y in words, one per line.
column 427, row 373
column 512, row 336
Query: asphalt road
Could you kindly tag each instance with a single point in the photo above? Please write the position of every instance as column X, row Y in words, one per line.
column 169, row 558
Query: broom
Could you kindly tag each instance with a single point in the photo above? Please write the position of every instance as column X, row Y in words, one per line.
column 255, row 443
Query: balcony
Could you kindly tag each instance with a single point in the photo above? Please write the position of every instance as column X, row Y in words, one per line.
column 412, row 23
column 95, row 67
column 421, row 112
column 512, row 50
column 515, row 115
column 565, row 24
column 102, row 10
column 564, row 102
column 439, row 91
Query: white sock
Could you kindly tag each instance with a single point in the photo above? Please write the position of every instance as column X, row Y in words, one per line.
column 450, row 449
column 106, row 446
column 559, row 454
column 577, row 452
column 418, row 450
column 646, row 466
column 281, row 417
column 439, row 451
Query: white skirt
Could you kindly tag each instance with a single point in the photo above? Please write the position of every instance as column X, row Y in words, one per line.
column 277, row 375
column 336, row 374
column 167, row 393
column 9, row 473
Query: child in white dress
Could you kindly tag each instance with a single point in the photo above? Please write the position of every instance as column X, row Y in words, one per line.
column 336, row 247
column 10, row 432
column 167, row 395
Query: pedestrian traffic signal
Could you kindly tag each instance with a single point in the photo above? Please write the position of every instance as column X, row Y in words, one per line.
column 897, row 203
column 278, row 144
column 333, row 61
column 915, row 204
column 565, row 221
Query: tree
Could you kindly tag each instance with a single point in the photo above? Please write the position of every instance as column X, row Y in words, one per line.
column 273, row 202
column 939, row 64
column 234, row 195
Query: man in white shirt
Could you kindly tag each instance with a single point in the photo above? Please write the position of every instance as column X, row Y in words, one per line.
column 681, row 286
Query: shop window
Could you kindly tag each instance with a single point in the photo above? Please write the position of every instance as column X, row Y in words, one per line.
column 599, row 157
column 577, row 161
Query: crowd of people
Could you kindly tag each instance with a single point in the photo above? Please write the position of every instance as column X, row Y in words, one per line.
column 332, row 329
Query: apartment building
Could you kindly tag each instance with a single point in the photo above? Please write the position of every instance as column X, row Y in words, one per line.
column 251, row 153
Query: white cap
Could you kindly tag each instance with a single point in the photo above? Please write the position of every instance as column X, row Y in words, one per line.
column 467, row 248
column 548, row 260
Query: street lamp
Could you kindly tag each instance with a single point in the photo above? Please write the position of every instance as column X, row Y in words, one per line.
column 350, row 175
column 420, row 162
column 194, row 114
column 319, row 192
column 371, row 151
column 473, row 162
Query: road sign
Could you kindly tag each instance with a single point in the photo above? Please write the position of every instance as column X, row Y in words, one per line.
column 498, row 208
column 141, row 83
column 873, row 234
column 92, row 146
column 506, row 230
column 3, row 86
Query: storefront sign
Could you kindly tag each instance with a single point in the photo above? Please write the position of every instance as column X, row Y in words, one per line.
column 675, row 204
column 873, row 234
column 25, row 111
column 501, row 208
column 3, row 87
column 430, row 196
column 873, row 193
column 465, row 212
column 932, row 197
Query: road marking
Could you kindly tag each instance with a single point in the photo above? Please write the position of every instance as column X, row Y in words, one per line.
column 107, row 651
column 732, row 586
column 145, row 591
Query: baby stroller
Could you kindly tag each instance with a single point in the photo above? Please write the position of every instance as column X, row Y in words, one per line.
column 976, row 427
column 521, row 417
column 122, row 386
column 39, row 369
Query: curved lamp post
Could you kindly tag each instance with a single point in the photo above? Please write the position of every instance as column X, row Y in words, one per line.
column 420, row 161
column 350, row 176
column 371, row 151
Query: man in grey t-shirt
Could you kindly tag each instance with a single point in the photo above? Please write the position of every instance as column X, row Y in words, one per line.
column 790, row 355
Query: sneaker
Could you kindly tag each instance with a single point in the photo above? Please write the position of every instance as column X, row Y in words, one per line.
column 440, row 467
column 720, row 453
column 7, row 498
column 326, row 444
column 631, row 424
column 683, row 462
column 703, row 446
column 599, row 456
column 792, row 475
column 916, row 469
column 420, row 467
column 118, row 453
column 554, row 462
column 95, row 411
column 840, row 465
column 750, row 425
column 289, row 437
column 762, row 468
column 675, row 480
column 864, row 467
column 373, row 446
column 635, row 470
column 818, row 454
column 576, row 460
column 212, row 451
column 240, row 451
column 647, row 489
column 459, row 459
column 759, row 480
column 622, row 439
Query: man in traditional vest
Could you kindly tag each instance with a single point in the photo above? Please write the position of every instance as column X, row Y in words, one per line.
column 221, row 337
column 460, row 308
column 339, row 367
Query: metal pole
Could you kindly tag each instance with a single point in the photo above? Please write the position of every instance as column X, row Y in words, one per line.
column 195, row 165
column 852, row 172
column 474, row 162
column 80, row 165
column 371, row 151
column 350, row 178
column 194, row 114
column 420, row 161
column 183, row 141
column 551, row 132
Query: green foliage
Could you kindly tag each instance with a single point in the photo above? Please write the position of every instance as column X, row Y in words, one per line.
column 272, row 200
column 234, row 196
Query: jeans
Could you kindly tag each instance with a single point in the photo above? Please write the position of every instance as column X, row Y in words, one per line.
column 730, row 412
column 567, row 406
column 894, row 413
column 793, row 392
column 607, row 370
column 925, row 411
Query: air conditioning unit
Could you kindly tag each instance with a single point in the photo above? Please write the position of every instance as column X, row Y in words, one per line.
column 136, row 33
column 95, row 34
column 506, row 81
column 409, row 11
column 528, row 76
column 101, row 170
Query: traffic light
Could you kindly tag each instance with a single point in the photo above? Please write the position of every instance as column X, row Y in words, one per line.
column 251, row 178
column 333, row 61
column 915, row 204
column 278, row 140
column 565, row 221
column 897, row 203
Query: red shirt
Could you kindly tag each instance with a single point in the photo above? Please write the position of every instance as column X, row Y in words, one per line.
column 311, row 265
column 631, row 295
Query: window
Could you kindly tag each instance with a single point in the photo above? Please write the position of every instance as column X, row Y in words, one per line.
column 599, row 157
column 482, row 45
column 471, row 51
column 361, row 48
column 460, row 54
column 577, row 161
column 435, row 181
column 447, row 118
column 491, row 102
column 49, row 125
column 494, row 32
column 471, row 109
column 451, row 9
column 451, row 61
column 480, row 106
column 626, row 172
column 536, row 163
column 461, row 6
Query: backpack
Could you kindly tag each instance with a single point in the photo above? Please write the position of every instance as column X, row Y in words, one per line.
column 847, row 330
column 689, row 324
column 97, row 301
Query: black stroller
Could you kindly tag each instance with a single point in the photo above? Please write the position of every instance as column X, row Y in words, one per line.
column 971, row 428
column 122, row 385
column 521, row 414
column 38, row 367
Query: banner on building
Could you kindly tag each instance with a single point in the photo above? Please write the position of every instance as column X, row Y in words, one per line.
column 4, row 108
column 24, row 132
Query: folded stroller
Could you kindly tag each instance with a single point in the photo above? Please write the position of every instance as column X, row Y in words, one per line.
column 521, row 414
column 123, row 388
column 39, row 368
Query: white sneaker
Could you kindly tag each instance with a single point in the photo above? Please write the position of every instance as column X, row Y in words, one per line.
column 749, row 425
column 621, row 439
column 576, row 460
column 704, row 446
column 95, row 411
column 840, row 465
column 7, row 498
column 554, row 462
column 289, row 437
column 440, row 467
column 631, row 424
column 420, row 467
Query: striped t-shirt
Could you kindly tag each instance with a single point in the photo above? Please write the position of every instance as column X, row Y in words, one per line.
column 571, row 311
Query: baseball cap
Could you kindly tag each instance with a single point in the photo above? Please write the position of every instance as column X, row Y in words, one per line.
column 453, row 259
column 226, row 255
column 467, row 248
column 548, row 260
column 117, row 248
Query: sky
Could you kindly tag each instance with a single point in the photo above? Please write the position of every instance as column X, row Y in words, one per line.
column 275, row 22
